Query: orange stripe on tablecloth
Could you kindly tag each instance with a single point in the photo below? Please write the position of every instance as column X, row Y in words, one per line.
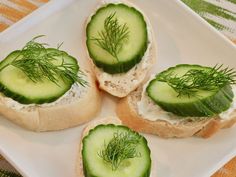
column 24, row 3
column 11, row 13
column 43, row 1
column 229, row 170
column 3, row 26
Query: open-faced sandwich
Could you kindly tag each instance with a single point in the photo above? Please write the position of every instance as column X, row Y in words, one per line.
column 120, row 45
column 182, row 101
column 44, row 89
column 108, row 149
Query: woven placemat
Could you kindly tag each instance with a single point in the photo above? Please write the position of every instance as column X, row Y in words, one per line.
column 219, row 13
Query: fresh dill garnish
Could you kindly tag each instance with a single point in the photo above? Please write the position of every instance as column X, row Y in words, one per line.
column 114, row 35
column 195, row 79
column 38, row 63
column 121, row 147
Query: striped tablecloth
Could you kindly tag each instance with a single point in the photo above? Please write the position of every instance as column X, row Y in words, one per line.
column 219, row 13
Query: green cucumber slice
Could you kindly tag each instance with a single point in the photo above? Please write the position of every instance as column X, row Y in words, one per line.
column 205, row 103
column 15, row 84
column 131, row 50
column 94, row 165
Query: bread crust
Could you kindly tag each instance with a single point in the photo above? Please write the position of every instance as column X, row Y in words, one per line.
column 56, row 117
column 120, row 88
column 91, row 125
column 127, row 112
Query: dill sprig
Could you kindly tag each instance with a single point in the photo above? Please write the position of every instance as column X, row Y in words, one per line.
column 194, row 80
column 114, row 35
column 121, row 147
column 38, row 63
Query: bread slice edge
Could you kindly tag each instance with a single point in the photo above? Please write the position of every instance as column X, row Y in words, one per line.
column 91, row 125
column 56, row 117
column 118, row 88
column 126, row 110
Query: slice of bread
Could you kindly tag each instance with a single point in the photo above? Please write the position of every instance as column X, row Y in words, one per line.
column 91, row 125
column 120, row 85
column 59, row 116
column 127, row 111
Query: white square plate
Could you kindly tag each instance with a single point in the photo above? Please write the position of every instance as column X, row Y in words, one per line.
column 182, row 37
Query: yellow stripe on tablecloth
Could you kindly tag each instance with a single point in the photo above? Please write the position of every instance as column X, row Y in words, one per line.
column 26, row 4
column 11, row 13
column 20, row 9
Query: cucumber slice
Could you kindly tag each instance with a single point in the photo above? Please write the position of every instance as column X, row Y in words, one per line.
column 94, row 165
column 205, row 103
column 130, row 51
column 15, row 84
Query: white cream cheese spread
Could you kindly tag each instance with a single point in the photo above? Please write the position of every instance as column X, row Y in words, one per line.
column 227, row 114
column 149, row 110
column 74, row 93
column 144, row 64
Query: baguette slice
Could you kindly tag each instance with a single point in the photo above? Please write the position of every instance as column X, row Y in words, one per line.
column 91, row 125
column 56, row 117
column 127, row 111
column 120, row 85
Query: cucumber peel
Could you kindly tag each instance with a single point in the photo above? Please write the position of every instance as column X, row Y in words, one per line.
column 14, row 83
column 37, row 74
column 194, row 98
column 116, row 38
column 94, row 150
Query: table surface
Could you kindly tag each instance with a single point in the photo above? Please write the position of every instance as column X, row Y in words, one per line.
column 12, row 11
